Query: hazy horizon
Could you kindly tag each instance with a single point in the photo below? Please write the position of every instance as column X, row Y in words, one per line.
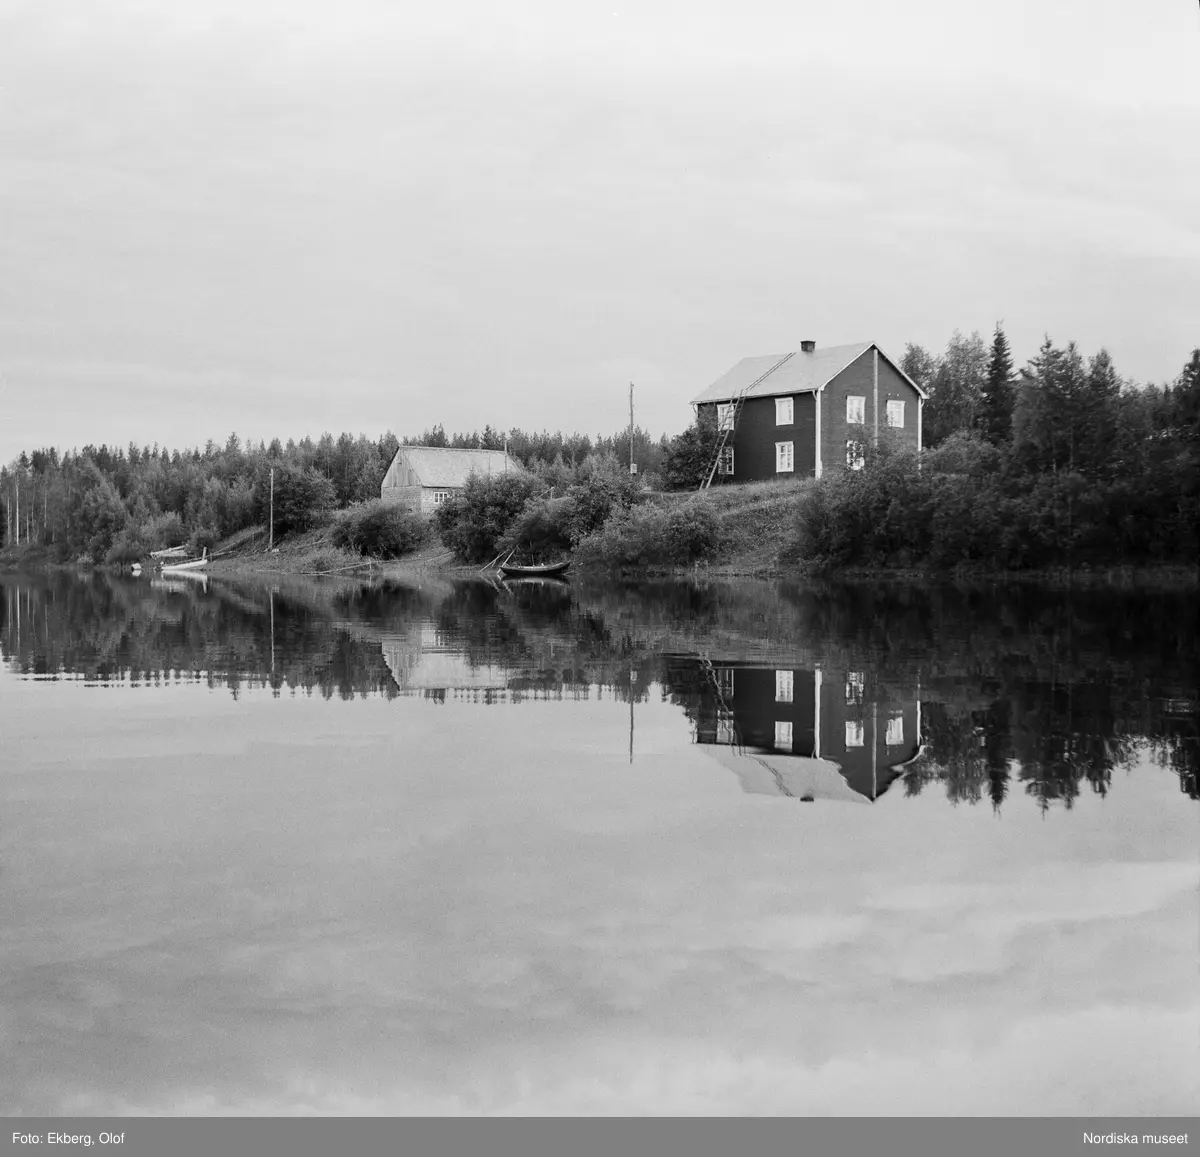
column 284, row 219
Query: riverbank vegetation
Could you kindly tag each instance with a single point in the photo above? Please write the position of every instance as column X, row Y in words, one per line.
column 1064, row 464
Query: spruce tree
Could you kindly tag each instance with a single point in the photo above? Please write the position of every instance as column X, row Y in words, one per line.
column 996, row 410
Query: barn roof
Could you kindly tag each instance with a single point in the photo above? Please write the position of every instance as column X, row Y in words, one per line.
column 441, row 466
column 770, row 375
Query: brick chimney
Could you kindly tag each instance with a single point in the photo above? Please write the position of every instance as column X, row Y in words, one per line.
column 807, row 346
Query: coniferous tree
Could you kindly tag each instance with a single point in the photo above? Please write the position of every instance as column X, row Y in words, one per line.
column 996, row 404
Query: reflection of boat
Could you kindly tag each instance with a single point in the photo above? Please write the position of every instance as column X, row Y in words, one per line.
column 550, row 582
column 534, row 570
column 171, row 567
column 181, row 581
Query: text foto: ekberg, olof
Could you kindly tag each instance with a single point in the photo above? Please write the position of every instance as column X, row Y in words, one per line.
column 84, row 1139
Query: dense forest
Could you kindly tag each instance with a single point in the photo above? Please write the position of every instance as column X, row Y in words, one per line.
column 1061, row 462
column 112, row 504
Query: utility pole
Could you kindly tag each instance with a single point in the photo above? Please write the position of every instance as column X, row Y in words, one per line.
column 271, row 531
column 632, row 464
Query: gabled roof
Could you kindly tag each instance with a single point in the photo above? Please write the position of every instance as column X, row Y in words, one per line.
column 441, row 466
column 770, row 375
column 781, row 773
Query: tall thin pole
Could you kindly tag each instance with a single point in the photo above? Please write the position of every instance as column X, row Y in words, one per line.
column 18, row 510
column 630, row 427
column 271, row 532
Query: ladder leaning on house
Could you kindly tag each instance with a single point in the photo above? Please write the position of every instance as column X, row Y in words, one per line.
column 725, row 430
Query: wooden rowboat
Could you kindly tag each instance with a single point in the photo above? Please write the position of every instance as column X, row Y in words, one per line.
column 536, row 570
column 185, row 565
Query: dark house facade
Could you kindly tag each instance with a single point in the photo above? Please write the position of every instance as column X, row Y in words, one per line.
column 800, row 413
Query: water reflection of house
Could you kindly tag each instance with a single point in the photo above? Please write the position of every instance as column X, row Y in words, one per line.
column 426, row 661
column 809, row 734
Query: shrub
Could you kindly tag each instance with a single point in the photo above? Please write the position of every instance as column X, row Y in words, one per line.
column 689, row 456
column 542, row 528
column 654, row 536
column 303, row 498
column 378, row 528
column 474, row 522
column 203, row 538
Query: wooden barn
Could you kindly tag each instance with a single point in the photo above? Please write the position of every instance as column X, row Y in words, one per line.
column 423, row 477
column 796, row 414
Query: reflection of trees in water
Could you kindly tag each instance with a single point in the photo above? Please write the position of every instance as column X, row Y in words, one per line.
column 103, row 629
column 1046, row 693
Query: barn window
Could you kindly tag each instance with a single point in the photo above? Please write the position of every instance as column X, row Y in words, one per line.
column 725, row 729
column 725, row 416
column 725, row 461
column 784, row 413
column 854, row 454
column 856, row 409
column 784, row 683
column 440, row 496
column 895, row 414
column 725, row 682
column 895, row 729
column 784, row 457
column 783, row 735
column 854, row 733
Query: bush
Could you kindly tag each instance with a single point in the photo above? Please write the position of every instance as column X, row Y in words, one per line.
column 542, row 528
column 303, row 499
column 474, row 522
column 654, row 536
column 203, row 538
column 689, row 456
column 377, row 528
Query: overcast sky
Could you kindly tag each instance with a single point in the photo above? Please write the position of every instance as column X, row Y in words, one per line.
column 285, row 216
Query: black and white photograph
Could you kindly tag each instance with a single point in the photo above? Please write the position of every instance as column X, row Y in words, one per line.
column 581, row 560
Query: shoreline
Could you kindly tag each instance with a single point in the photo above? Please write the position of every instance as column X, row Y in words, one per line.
column 306, row 559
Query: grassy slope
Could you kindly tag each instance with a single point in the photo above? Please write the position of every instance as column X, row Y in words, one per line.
column 758, row 521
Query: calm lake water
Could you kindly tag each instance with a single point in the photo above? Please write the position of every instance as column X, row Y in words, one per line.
column 657, row 848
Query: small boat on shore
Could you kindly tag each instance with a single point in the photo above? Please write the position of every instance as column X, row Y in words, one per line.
column 534, row 570
column 170, row 566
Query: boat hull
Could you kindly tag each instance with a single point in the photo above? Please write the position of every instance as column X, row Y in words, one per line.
column 550, row 570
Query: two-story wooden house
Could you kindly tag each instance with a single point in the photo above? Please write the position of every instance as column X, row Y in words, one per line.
column 797, row 414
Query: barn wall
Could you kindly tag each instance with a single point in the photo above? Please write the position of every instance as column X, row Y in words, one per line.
column 407, row 496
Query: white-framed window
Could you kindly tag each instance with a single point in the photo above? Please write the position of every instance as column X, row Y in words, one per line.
column 725, row 730
column 725, row 682
column 855, row 683
column 854, row 454
column 856, row 409
column 854, row 733
column 784, row 686
column 725, row 461
column 724, row 415
column 784, row 412
column 440, row 496
column 783, row 735
column 784, row 457
column 895, row 414
column 895, row 729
